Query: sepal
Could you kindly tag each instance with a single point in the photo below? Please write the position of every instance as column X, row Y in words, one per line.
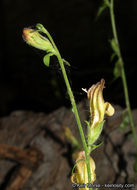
column 94, row 133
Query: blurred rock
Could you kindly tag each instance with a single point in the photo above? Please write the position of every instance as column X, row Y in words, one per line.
column 114, row 159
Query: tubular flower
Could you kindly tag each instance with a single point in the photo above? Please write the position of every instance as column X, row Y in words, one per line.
column 98, row 108
column 80, row 176
column 35, row 39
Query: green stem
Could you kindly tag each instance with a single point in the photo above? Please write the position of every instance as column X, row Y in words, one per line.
column 123, row 75
column 74, row 108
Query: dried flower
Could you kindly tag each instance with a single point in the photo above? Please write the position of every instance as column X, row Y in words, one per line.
column 98, row 108
column 80, row 175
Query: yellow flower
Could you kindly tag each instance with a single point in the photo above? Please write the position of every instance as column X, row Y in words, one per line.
column 80, row 175
column 98, row 108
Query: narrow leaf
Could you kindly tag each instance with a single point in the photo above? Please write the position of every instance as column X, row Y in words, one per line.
column 112, row 57
column 117, row 69
column 114, row 46
column 66, row 62
column 94, row 146
column 101, row 9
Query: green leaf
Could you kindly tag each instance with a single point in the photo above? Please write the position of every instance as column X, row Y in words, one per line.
column 101, row 9
column 112, row 56
column 114, row 46
column 46, row 59
column 117, row 69
column 94, row 146
column 66, row 62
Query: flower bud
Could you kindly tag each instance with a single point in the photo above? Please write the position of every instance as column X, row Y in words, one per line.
column 35, row 39
column 80, row 175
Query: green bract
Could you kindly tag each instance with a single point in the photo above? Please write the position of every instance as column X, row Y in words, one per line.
column 95, row 133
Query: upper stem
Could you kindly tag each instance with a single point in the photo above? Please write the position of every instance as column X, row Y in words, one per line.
column 123, row 75
column 74, row 109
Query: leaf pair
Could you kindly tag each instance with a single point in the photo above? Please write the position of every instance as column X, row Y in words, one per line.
column 117, row 67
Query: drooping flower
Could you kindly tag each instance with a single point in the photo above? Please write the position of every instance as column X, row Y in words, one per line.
column 98, row 108
column 80, row 175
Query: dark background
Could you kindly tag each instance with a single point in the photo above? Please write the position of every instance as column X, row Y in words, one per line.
column 26, row 83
